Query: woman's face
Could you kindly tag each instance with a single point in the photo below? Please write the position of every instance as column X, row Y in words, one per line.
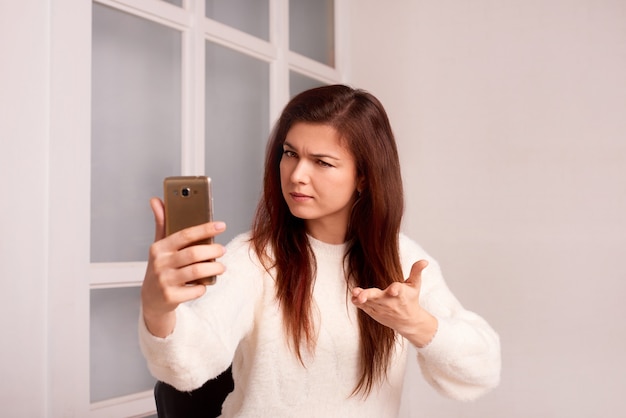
column 319, row 180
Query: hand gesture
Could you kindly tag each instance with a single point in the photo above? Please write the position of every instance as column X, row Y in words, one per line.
column 398, row 307
column 172, row 264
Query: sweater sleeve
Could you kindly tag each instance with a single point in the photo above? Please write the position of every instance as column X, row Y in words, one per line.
column 463, row 359
column 207, row 330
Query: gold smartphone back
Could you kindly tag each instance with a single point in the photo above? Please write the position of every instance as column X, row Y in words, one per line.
column 188, row 202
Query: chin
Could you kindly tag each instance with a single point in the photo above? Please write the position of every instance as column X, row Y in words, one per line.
column 299, row 213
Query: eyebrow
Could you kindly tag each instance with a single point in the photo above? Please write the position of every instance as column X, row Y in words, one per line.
column 332, row 157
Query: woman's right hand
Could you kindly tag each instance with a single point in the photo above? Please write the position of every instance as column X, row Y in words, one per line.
column 172, row 264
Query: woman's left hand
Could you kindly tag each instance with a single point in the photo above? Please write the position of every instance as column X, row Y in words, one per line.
column 398, row 307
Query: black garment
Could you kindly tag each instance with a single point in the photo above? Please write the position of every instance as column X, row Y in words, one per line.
column 204, row 402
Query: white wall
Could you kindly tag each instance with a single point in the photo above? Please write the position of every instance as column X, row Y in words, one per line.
column 511, row 122
column 23, row 207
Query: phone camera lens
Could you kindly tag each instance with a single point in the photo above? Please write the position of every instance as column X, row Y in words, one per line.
column 185, row 192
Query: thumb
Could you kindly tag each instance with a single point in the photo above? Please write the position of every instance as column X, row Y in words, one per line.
column 415, row 277
column 158, row 210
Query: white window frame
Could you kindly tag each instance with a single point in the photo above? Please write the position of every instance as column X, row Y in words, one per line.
column 71, row 273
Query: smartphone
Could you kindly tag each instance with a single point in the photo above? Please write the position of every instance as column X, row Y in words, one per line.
column 188, row 202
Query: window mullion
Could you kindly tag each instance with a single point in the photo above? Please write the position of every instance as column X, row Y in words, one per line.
column 312, row 68
column 155, row 11
column 279, row 69
column 193, row 94
column 342, row 38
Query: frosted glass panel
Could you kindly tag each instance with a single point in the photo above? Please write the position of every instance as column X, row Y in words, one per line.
column 136, row 129
column 299, row 83
column 311, row 29
column 237, row 126
column 178, row 3
column 251, row 16
column 117, row 365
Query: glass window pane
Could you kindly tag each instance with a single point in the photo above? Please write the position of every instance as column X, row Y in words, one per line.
column 251, row 16
column 117, row 365
column 312, row 29
column 136, row 129
column 237, row 126
column 178, row 3
column 299, row 83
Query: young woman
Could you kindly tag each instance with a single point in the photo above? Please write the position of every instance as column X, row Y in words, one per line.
column 316, row 307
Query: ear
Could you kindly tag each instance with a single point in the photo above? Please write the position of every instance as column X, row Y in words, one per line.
column 360, row 184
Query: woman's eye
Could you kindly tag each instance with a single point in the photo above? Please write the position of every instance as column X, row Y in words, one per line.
column 288, row 153
column 324, row 163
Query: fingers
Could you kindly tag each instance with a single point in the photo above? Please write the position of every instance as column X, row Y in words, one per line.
column 397, row 306
column 172, row 296
column 196, row 254
column 194, row 234
column 361, row 296
column 415, row 277
column 158, row 210
column 182, row 266
column 374, row 295
column 358, row 296
column 395, row 290
column 198, row 271
column 186, row 237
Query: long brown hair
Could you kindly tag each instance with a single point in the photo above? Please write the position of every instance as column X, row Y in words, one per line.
column 372, row 254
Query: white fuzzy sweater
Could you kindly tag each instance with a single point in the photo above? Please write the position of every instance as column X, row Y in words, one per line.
column 239, row 321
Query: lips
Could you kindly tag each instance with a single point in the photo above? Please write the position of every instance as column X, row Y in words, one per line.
column 299, row 197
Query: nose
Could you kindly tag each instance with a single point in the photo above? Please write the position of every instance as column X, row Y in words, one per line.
column 300, row 174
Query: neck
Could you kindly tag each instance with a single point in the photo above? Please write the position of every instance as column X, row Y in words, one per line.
column 330, row 233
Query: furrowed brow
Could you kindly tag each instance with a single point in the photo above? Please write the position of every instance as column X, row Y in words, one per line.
column 332, row 157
